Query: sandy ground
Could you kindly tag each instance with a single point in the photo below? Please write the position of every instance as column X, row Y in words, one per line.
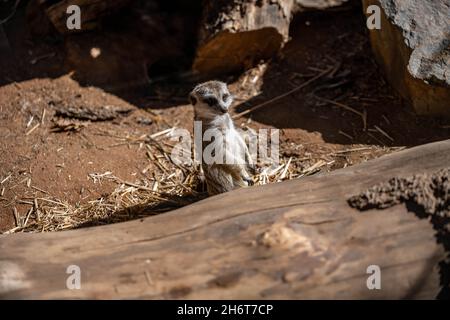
column 321, row 125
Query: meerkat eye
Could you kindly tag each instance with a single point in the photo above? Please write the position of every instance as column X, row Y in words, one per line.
column 211, row 101
column 192, row 99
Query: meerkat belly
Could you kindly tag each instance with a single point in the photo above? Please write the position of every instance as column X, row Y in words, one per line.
column 218, row 179
column 222, row 178
column 234, row 148
column 225, row 172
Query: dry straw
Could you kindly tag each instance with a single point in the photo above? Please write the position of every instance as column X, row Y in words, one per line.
column 170, row 186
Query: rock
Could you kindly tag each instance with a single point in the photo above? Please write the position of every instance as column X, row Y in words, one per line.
column 413, row 48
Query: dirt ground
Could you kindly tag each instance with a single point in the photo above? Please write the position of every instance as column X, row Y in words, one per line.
column 345, row 117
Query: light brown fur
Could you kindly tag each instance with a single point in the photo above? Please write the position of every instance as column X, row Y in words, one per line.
column 211, row 101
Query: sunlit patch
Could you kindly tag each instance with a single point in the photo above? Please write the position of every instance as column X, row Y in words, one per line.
column 95, row 52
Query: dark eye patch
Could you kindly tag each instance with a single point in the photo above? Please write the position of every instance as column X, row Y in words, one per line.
column 192, row 99
column 211, row 101
column 225, row 97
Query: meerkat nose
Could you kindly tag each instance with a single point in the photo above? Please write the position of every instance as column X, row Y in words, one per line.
column 223, row 108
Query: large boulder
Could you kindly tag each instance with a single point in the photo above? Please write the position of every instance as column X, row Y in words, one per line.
column 413, row 48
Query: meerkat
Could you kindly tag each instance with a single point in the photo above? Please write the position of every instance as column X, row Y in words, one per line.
column 211, row 101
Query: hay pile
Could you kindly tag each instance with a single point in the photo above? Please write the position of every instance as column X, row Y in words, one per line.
column 172, row 186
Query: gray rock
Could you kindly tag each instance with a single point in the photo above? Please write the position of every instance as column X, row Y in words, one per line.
column 413, row 49
column 425, row 25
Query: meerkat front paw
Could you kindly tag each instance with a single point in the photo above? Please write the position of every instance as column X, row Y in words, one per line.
column 249, row 181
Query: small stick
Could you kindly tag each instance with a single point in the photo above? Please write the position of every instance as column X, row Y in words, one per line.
column 10, row 231
column 27, row 216
column 6, row 179
column 315, row 69
column 345, row 134
column 43, row 115
column 32, row 129
column 157, row 134
column 315, row 166
column 51, row 201
column 283, row 95
column 36, row 210
column 41, row 57
column 16, row 217
column 23, row 180
column 352, row 150
column 384, row 133
column 38, row 189
column 375, row 138
column 363, row 114
column 30, row 121
column 283, row 174
column 25, row 202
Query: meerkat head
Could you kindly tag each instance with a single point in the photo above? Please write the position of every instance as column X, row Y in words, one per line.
column 210, row 99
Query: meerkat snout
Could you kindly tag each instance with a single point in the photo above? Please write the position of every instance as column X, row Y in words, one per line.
column 211, row 101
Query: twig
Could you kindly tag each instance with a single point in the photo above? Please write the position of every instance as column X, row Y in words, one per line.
column 44, row 56
column 16, row 4
column 243, row 113
column 386, row 119
column 384, row 133
column 163, row 132
column 345, row 134
column 16, row 217
column 36, row 209
column 30, row 121
column 6, row 179
column 363, row 114
column 38, row 189
column 315, row 166
column 352, row 150
column 43, row 115
column 27, row 216
column 375, row 138
column 286, row 167
column 32, row 129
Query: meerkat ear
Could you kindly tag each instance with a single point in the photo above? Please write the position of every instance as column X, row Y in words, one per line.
column 192, row 99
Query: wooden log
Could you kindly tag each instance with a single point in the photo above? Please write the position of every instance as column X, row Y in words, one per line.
column 91, row 12
column 297, row 239
column 236, row 35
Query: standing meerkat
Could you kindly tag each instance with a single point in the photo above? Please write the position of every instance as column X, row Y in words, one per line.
column 211, row 101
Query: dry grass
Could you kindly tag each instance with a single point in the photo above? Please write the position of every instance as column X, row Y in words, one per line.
column 172, row 186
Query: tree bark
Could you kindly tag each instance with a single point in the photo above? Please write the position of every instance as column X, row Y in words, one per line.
column 297, row 239
column 236, row 35
column 91, row 12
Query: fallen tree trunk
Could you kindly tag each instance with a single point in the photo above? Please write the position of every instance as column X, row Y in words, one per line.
column 236, row 35
column 91, row 12
column 296, row 239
